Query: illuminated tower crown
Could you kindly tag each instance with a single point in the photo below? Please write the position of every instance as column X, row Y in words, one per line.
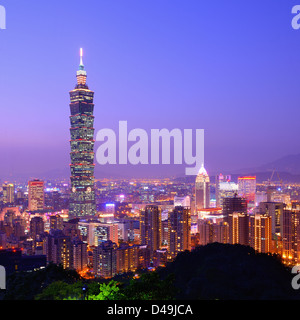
column 81, row 73
column 202, row 190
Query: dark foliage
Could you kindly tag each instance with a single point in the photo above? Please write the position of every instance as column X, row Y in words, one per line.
column 26, row 285
column 230, row 272
column 149, row 286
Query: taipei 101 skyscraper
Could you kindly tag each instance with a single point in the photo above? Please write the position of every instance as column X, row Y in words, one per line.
column 82, row 198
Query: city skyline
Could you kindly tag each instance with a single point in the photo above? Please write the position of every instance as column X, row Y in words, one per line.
column 155, row 65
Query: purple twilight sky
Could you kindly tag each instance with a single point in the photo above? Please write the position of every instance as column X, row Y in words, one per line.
column 229, row 67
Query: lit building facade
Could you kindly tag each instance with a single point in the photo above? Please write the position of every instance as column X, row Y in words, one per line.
column 182, row 201
column 127, row 258
column 247, row 188
column 290, row 231
column 59, row 249
column 105, row 231
column 105, row 259
column 210, row 231
column 260, row 232
column 82, row 198
column 150, row 228
column 179, row 230
column 80, row 258
column 8, row 193
column 275, row 210
column 36, row 195
column 238, row 228
column 202, row 190
column 224, row 188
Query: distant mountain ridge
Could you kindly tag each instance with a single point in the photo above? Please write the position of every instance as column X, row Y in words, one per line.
column 289, row 164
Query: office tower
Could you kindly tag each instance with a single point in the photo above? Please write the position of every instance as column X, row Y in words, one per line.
column 274, row 210
column 56, row 222
column 80, row 259
column 234, row 204
column 59, row 249
column 36, row 195
column 82, row 198
column 105, row 259
column 260, row 235
column 179, row 230
column 36, row 227
column 247, row 188
column 224, row 188
column 290, row 231
column 150, row 228
column 8, row 193
column 238, row 228
column 202, row 190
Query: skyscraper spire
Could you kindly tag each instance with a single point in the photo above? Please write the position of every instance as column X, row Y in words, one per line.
column 81, row 73
column 202, row 189
column 81, row 65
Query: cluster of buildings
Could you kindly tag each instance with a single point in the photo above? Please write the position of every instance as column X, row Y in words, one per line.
column 143, row 228
column 266, row 219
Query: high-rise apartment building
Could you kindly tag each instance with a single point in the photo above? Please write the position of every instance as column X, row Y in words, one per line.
column 202, row 190
column 179, row 230
column 82, row 198
column 59, row 249
column 36, row 195
column 127, row 258
column 105, row 259
column 260, row 232
column 80, row 258
column 150, row 227
column 274, row 210
column 238, row 228
column 56, row 222
column 36, row 227
column 210, row 231
column 290, row 231
column 8, row 193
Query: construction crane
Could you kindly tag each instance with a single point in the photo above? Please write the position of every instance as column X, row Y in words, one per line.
column 280, row 180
